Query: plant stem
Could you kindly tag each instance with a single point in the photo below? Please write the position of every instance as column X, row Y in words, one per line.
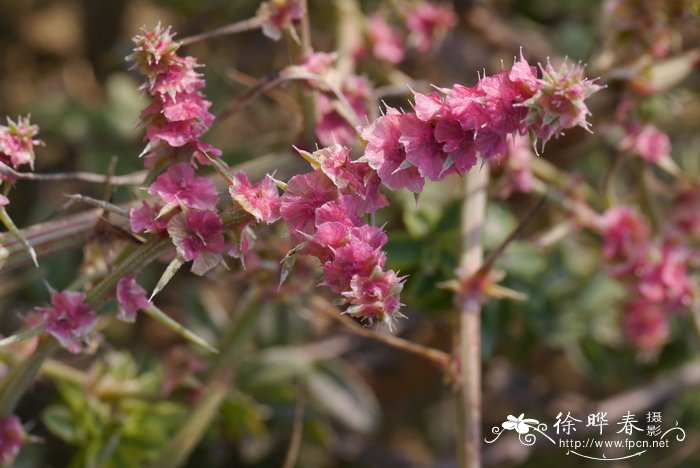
column 468, row 337
column 198, row 421
column 22, row 376
column 436, row 356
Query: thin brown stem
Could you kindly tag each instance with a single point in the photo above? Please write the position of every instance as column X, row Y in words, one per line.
column 469, row 330
column 437, row 357
column 292, row 455
column 135, row 178
column 235, row 28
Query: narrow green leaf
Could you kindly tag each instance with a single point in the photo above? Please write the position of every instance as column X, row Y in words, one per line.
column 157, row 314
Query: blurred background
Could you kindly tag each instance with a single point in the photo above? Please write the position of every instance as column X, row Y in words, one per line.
column 366, row 404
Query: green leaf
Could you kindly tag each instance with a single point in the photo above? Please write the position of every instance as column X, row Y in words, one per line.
column 345, row 396
column 60, row 421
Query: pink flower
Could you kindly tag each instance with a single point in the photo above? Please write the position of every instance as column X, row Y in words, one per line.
column 353, row 178
column 625, row 236
column 245, row 238
column 427, row 21
column 345, row 210
column 261, row 200
column 145, row 218
column 305, row 193
column 69, row 320
column 4, row 201
column 355, row 258
column 684, row 212
column 199, row 237
column 11, row 438
column 131, row 298
column 645, row 324
column 375, row 297
column 318, row 63
column 559, row 103
column 387, row 43
column 178, row 114
column 279, row 15
column 179, row 186
column 429, row 107
column 648, row 142
column 385, row 153
column 666, row 280
column 458, row 144
column 17, row 143
column 422, row 149
column 154, row 50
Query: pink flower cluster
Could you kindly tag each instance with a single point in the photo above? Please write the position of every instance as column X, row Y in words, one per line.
column 17, row 143
column 425, row 23
column 654, row 273
column 11, row 438
column 69, row 319
column 16, row 148
column 323, row 210
column 175, row 121
column 450, row 129
column 178, row 114
column 648, row 141
column 279, row 15
column 131, row 298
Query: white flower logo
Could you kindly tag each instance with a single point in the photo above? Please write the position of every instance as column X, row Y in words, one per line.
column 521, row 425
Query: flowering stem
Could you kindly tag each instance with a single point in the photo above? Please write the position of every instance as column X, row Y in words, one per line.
column 468, row 337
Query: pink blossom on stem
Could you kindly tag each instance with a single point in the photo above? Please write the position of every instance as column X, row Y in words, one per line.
column 685, row 216
column 4, row 200
column 355, row 258
column 69, row 319
column 17, row 143
column 385, row 153
column 422, row 149
column 386, row 42
column 559, row 103
column 262, row 200
column 179, row 186
column 131, row 298
column 625, row 238
column 375, row 297
column 304, row 194
column 648, row 142
column 244, row 240
column 645, row 324
column 11, row 438
column 666, row 280
column 353, row 178
column 427, row 22
column 279, row 15
column 198, row 237
column 178, row 114
column 145, row 218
